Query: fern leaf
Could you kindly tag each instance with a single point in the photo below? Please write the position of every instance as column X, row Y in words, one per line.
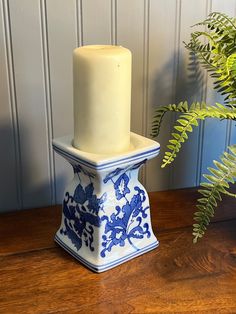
column 217, row 55
column 217, row 185
column 161, row 111
column 187, row 121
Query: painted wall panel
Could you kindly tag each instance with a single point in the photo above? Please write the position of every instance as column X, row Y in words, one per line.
column 9, row 196
column 62, row 39
column 25, row 17
column 130, row 34
column 160, row 81
column 232, row 136
column 36, row 88
column 96, row 22
column 185, row 168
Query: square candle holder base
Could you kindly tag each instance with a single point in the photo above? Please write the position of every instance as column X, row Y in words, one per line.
column 106, row 214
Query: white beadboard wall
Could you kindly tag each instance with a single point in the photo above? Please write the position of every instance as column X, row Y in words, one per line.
column 36, row 42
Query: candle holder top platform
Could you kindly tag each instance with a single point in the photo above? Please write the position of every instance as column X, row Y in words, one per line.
column 106, row 214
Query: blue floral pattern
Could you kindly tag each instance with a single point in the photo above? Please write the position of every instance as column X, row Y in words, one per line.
column 81, row 213
column 121, row 186
column 127, row 221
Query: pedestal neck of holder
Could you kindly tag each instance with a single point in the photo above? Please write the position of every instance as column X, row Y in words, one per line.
column 105, row 212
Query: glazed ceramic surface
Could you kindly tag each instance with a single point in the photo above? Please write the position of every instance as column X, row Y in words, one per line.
column 106, row 214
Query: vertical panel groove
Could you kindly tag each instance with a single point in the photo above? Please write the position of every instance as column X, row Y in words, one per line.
column 48, row 100
column 177, row 47
column 145, row 65
column 202, row 123
column 79, row 22
column 228, row 133
column 230, row 140
column 114, row 22
column 145, row 74
column 13, row 99
column 229, row 122
column 178, row 4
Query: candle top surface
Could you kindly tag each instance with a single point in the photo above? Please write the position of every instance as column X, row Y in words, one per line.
column 101, row 50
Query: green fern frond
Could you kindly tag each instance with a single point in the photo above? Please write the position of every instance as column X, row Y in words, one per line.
column 217, row 55
column 183, row 126
column 187, row 120
column 215, row 48
column 218, row 183
column 218, row 22
column 231, row 64
column 161, row 111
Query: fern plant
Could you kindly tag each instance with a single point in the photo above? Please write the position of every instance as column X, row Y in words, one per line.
column 218, row 56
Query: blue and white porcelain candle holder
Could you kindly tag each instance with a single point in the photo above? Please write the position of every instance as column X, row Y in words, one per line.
column 106, row 213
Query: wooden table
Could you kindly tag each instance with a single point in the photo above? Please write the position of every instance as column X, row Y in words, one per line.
column 37, row 276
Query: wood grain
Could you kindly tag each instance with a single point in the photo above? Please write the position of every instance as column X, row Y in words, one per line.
column 28, row 230
column 34, row 229
column 175, row 208
column 176, row 277
column 37, row 276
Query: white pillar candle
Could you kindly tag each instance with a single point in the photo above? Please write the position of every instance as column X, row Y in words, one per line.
column 102, row 96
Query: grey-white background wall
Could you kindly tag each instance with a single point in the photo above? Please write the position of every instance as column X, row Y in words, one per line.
column 36, row 42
